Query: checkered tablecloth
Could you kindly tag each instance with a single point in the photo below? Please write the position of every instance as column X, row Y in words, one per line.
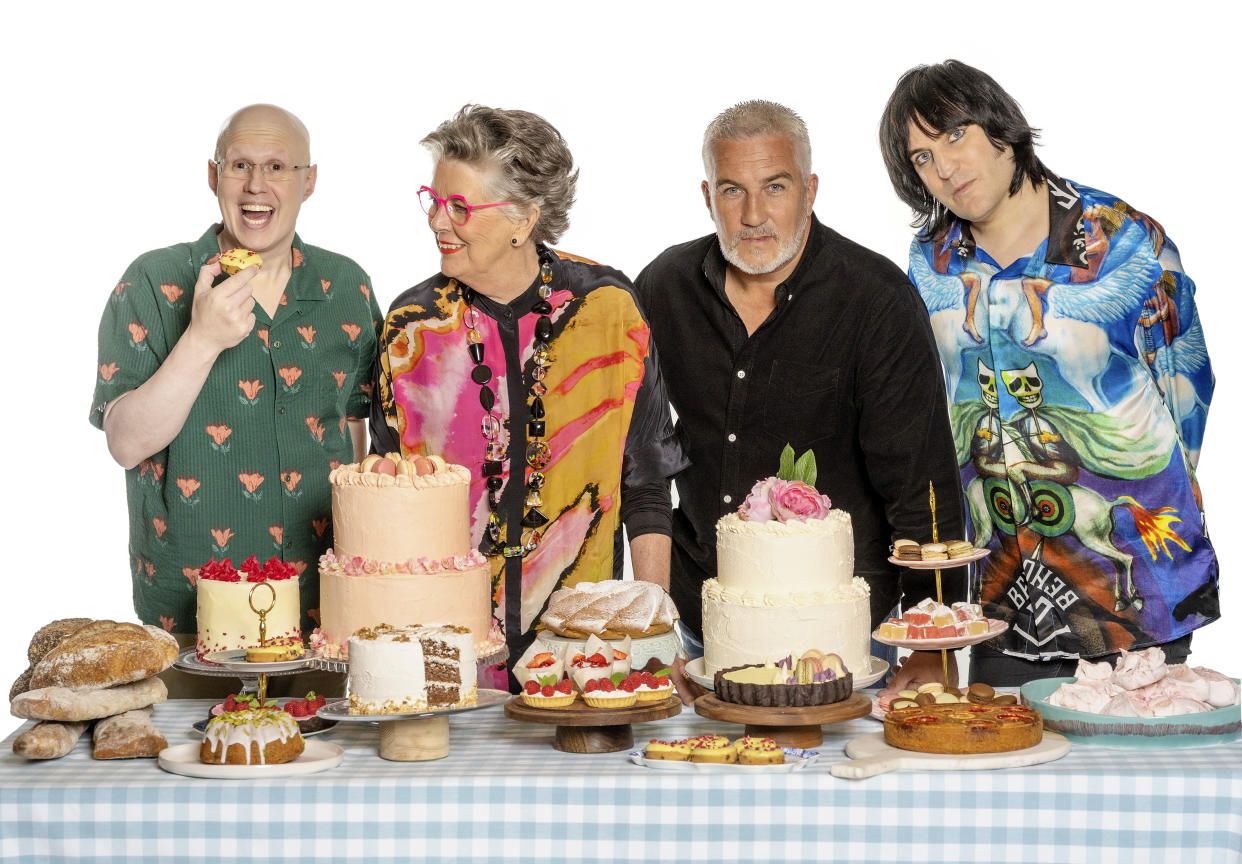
column 504, row 793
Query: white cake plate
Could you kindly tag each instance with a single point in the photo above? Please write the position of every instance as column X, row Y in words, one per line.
column 232, row 664
column 949, row 643
column 183, row 759
column 415, row 737
column 696, row 671
column 871, row 755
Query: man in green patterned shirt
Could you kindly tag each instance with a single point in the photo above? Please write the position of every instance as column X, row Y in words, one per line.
column 228, row 400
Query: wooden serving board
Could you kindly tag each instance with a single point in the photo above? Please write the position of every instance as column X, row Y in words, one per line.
column 788, row 727
column 871, row 755
column 583, row 729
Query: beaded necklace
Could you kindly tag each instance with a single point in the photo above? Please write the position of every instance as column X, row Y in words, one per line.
column 538, row 453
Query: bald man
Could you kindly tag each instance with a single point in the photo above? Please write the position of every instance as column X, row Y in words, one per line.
column 229, row 399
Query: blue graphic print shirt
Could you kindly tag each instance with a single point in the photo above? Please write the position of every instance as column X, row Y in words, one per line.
column 1078, row 383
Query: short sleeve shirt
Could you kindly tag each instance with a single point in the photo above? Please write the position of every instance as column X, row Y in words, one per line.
column 248, row 473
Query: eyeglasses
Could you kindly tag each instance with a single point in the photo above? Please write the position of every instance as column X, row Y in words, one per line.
column 457, row 208
column 273, row 172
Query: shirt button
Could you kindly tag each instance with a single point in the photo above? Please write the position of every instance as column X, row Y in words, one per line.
column 276, row 344
column 728, row 499
column 280, row 410
column 741, row 373
column 732, row 437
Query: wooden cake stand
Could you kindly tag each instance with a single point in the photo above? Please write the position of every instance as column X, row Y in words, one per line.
column 788, row 727
column 419, row 737
column 583, row 729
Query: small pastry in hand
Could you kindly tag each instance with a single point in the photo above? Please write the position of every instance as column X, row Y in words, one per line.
column 234, row 261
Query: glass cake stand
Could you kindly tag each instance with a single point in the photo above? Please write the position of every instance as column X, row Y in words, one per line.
column 417, row 737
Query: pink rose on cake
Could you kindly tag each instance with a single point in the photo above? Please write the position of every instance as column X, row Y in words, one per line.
column 794, row 499
column 789, row 496
column 758, row 506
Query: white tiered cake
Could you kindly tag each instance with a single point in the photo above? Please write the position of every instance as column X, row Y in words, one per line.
column 785, row 585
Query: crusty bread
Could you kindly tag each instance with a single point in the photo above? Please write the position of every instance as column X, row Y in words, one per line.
column 43, row 641
column 48, row 740
column 22, row 684
column 60, row 703
column 50, row 635
column 130, row 735
column 103, row 654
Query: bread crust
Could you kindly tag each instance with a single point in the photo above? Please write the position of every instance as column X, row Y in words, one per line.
column 104, row 654
column 48, row 740
column 131, row 735
column 60, row 703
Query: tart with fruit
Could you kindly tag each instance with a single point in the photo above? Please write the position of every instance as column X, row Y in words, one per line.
column 814, row 678
column 617, row 691
column 559, row 695
column 653, row 686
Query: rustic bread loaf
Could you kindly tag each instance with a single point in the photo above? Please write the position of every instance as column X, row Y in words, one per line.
column 22, row 684
column 48, row 740
column 130, row 735
column 60, row 703
column 51, row 635
column 103, row 654
column 47, row 638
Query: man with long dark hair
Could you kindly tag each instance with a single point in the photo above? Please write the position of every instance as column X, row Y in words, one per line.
column 1078, row 383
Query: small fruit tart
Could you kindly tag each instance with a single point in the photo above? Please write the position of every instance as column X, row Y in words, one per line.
column 548, row 695
column 606, row 693
column 652, row 687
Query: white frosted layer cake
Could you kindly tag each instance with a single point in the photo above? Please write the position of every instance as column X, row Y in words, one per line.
column 402, row 554
column 226, row 621
column 405, row 670
column 782, row 588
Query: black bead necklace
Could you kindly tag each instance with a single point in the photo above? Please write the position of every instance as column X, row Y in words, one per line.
column 538, row 453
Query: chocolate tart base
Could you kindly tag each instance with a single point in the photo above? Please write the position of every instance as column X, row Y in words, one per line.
column 782, row 695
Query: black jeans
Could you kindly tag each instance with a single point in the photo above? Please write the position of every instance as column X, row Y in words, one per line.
column 1000, row 670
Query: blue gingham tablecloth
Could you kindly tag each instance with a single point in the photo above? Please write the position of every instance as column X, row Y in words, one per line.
column 504, row 793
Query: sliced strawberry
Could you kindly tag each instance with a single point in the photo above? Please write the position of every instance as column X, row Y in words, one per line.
column 541, row 660
column 618, row 655
column 597, row 659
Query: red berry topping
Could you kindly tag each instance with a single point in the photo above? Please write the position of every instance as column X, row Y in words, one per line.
column 591, row 686
column 606, row 686
column 565, row 687
column 662, row 681
column 532, row 687
column 597, row 660
column 629, row 685
column 547, row 690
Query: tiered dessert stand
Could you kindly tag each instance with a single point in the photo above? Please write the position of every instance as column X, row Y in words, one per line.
column 583, row 729
column 945, row 645
column 233, row 664
column 421, row 736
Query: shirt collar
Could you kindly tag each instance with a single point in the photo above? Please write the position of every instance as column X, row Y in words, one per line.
column 1067, row 237
column 714, row 263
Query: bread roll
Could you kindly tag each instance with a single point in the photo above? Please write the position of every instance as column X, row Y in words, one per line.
column 103, row 654
column 48, row 740
column 130, row 735
column 60, row 703
column 22, row 684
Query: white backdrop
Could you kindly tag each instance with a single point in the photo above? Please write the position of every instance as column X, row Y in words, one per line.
column 111, row 112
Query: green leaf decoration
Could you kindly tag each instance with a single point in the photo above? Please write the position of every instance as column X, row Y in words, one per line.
column 663, row 673
column 804, row 468
column 547, row 680
column 786, row 471
column 616, row 678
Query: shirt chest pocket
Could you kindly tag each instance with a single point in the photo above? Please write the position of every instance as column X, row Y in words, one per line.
column 800, row 406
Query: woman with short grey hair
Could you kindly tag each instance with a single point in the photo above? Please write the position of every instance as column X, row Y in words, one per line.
column 532, row 368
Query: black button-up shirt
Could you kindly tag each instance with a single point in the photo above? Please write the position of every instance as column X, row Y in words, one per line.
column 845, row 365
